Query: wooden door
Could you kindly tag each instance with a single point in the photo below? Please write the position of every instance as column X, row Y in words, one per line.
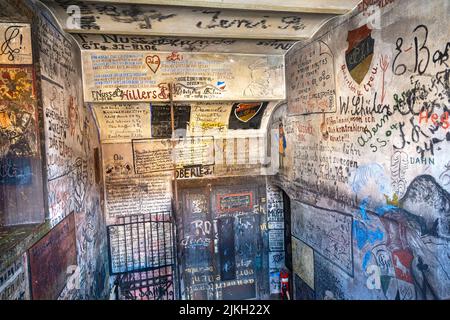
column 220, row 241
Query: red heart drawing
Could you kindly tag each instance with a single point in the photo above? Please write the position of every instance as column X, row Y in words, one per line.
column 153, row 62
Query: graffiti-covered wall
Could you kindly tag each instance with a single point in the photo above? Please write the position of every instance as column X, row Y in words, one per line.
column 73, row 159
column 212, row 140
column 213, row 136
column 223, row 103
column 21, row 192
column 53, row 234
column 366, row 158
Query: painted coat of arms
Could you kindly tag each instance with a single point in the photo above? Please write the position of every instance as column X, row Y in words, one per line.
column 246, row 115
column 359, row 53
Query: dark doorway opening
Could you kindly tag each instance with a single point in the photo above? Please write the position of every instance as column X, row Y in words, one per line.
column 287, row 240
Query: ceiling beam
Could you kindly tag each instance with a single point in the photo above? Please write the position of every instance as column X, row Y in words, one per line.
column 153, row 20
column 305, row 6
column 111, row 42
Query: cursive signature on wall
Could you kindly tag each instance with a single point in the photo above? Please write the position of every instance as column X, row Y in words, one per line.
column 11, row 33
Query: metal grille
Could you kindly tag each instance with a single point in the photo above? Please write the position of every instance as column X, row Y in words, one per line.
column 141, row 254
column 147, row 285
